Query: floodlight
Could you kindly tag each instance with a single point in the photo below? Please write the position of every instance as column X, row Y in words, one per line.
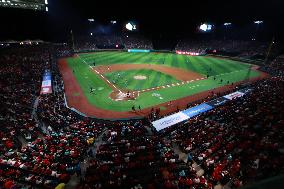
column 129, row 26
column 113, row 21
column 227, row 24
column 91, row 20
column 91, row 33
column 258, row 22
column 46, row 2
column 205, row 27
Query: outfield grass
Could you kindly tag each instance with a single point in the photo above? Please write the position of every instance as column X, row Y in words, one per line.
column 199, row 64
column 227, row 70
column 125, row 79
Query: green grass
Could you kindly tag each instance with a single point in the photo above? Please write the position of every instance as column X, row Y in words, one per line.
column 228, row 70
column 125, row 79
column 199, row 64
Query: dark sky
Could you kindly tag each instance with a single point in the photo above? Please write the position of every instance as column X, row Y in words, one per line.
column 158, row 18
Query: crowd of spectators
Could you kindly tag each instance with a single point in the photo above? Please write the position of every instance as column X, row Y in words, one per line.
column 38, row 153
column 246, row 49
column 43, row 143
column 21, row 73
column 276, row 67
column 137, row 42
column 125, row 41
column 239, row 142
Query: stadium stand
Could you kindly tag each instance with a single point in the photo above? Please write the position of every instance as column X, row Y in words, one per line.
column 123, row 41
column 43, row 143
column 239, row 48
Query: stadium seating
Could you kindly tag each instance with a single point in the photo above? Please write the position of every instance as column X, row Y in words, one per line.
column 235, row 144
column 95, row 42
column 240, row 48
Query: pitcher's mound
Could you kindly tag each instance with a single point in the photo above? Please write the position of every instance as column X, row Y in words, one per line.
column 140, row 77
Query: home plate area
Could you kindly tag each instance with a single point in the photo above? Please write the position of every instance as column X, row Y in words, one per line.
column 124, row 95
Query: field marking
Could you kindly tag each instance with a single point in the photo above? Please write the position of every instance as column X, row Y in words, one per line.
column 92, row 68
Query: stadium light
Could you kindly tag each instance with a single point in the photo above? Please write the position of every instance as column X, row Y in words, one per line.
column 227, row 24
column 91, row 20
column 258, row 22
column 130, row 26
column 205, row 27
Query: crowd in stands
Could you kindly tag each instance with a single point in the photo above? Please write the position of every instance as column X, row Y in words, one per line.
column 95, row 42
column 137, row 42
column 276, row 67
column 34, row 152
column 43, row 143
column 21, row 75
column 246, row 49
column 240, row 141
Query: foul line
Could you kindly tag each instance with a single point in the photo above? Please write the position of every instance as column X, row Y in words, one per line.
column 98, row 73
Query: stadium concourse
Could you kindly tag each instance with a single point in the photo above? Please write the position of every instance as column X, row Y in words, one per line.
column 43, row 144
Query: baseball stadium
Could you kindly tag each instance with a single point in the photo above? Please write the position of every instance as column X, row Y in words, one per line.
column 129, row 84
column 141, row 95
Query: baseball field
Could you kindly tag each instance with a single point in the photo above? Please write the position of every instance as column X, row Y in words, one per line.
column 109, row 84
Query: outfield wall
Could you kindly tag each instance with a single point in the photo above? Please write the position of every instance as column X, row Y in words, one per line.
column 139, row 50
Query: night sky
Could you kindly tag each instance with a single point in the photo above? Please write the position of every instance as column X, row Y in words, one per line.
column 157, row 19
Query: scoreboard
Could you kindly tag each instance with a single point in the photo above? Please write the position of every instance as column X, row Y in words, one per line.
column 41, row 5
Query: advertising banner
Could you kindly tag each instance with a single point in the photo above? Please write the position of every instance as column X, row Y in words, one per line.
column 180, row 116
column 187, row 53
column 191, row 112
column 139, row 50
column 234, row 95
column 246, row 90
column 197, row 110
column 169, row 121
column 217, row 102
column 46, row 86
